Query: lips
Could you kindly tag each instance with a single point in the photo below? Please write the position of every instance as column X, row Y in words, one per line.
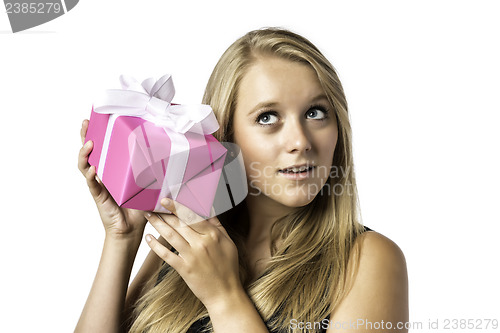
column 296, row 169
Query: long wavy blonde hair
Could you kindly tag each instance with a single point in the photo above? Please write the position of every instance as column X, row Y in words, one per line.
column 306, row 276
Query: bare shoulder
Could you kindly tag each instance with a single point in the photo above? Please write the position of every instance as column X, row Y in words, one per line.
column 376, row 249
column 379, row 285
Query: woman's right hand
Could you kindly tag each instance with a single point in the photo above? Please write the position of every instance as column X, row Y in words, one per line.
column 122, row 223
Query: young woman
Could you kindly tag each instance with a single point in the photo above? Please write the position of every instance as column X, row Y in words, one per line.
column 294, row 255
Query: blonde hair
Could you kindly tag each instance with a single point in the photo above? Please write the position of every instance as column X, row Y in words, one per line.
column 306, row 276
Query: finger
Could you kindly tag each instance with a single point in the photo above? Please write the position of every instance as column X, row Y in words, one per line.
column 83, row 131
column 182, row 212
column 211, row 227
column 170, row 258
column 185, row 230
column 170, row 234
column 187, row 216
column 94, row 185
column 83, row 157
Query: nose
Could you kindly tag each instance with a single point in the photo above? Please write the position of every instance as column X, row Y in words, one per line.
column 296, row 137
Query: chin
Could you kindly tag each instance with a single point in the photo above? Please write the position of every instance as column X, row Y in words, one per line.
column 289, row 196
column 295, row 201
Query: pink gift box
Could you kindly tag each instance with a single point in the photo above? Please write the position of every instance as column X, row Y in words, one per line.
column 140, row 155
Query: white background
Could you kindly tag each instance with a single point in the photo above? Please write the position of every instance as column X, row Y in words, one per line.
column 422, row 81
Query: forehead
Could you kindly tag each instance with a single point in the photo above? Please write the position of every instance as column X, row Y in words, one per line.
column 278, row 80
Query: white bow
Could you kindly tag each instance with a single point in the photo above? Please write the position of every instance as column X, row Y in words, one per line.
column 151, row 101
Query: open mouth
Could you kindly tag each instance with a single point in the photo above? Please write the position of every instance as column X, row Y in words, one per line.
column 303, row 169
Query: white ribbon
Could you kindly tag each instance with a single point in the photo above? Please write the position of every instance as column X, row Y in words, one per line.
column 175, row 169
column 151, row 101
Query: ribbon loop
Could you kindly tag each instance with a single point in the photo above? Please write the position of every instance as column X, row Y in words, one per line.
column 151, row 100
column 157, row 107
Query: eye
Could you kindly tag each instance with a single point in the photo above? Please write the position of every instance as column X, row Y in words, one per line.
column 266, row 118
column 317, row 112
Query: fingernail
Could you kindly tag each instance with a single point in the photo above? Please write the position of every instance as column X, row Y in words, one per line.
column 147, row 214
column 148, row 238
column 166, row 202
column 87, row 144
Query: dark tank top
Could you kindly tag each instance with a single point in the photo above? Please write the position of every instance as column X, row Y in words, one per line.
column 198, row 326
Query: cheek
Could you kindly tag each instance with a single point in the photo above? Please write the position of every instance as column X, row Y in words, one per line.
column 327, row 146
column 256, row 153
column 326, row 154
column 258, row 161
column 331, row 148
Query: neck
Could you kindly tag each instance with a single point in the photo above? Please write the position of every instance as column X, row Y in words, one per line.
column 263, row 212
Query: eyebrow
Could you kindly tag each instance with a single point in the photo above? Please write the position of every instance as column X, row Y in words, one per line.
column 319, row 98
column 263, row 105
column 271, row 104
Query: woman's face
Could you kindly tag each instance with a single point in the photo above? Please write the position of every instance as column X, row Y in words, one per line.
column 284, row 124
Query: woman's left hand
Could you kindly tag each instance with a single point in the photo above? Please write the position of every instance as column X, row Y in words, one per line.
column 207, row 259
